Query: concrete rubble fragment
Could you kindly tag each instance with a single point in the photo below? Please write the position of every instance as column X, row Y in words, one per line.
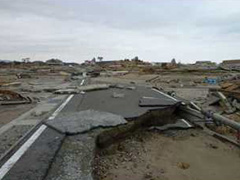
column 236, row 104
column 93, row 87
column 131, row 87
column 50, row 89
column 212, row 100
column 8, row 97
column 155, row 102
column 120, row 86
column 179, row 124
column 225, row 103
column 117, row 95
column 66, row 91
column 23, row 75
column 230, row 87
column 11, row 84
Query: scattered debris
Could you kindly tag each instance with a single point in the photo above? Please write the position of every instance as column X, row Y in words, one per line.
column 179, row 124
column 119, row 86
column 93, row 87
column 31, row 90
column 225, row 104
column 23, row 75
column 131, row 87
column 94, row 73
column 213, row 100
column 67, row 91
column 183, row 165
column 236, row 104
column 8, row 97
column 117, row 95
column 210, row 80
column 50, row 90
column 213, row 146
column 230, row 88
column 155, row 102
column 11, row 84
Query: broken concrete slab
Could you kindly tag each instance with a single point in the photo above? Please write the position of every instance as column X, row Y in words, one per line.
column 93, row 87
column 67, row 91
column 8, row 97
column 131, row 87
column 117, row 95
column 155, row 102
column 236, row 104
column 225, row 103
column 27, row 101
column 83, row 121
column 120, row 86
column 11, row 84
column 23, row 75
column 212, row 100
column 50, row 90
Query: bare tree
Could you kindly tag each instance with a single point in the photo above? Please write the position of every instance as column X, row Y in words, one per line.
column 25, row 60
column 100, row 58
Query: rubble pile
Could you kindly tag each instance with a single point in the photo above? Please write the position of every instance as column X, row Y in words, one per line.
column 231, row 88
column 8, row 97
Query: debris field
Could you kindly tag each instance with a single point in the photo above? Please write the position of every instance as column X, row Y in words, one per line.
column 98, row 121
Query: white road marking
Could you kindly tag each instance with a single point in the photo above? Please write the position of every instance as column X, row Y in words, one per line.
column 18, row 154
column 82, row 82
column 60, row 107
column 165, row 94
column 189, row 125
column 145, row 97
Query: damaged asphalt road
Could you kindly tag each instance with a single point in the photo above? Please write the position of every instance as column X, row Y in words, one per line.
column 82, row 113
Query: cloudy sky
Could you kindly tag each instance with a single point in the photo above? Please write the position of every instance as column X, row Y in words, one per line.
column 154, row 30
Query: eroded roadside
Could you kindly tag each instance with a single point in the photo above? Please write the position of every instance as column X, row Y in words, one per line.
column 175, row 154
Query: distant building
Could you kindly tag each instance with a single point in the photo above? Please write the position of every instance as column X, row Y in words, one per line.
column 205, row 65
column 70, row 64
column 166, row 65
column 54, row 62
column 231, row 64
column 107, row 63
column 90, row 62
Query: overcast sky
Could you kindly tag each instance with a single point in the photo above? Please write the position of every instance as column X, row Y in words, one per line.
column 153, row 30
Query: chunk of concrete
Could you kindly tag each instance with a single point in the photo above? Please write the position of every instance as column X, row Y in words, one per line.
column 83, row 121
column 117, row 95
column 236, row 104
column 180, row 124
column 131, row 87
column 11, row 84
column 67, row 91
column 93, row 87
column 155, row 102
column 225, row 104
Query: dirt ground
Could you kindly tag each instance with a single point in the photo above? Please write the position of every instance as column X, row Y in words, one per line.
column 180, row 155
column 8, row 113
